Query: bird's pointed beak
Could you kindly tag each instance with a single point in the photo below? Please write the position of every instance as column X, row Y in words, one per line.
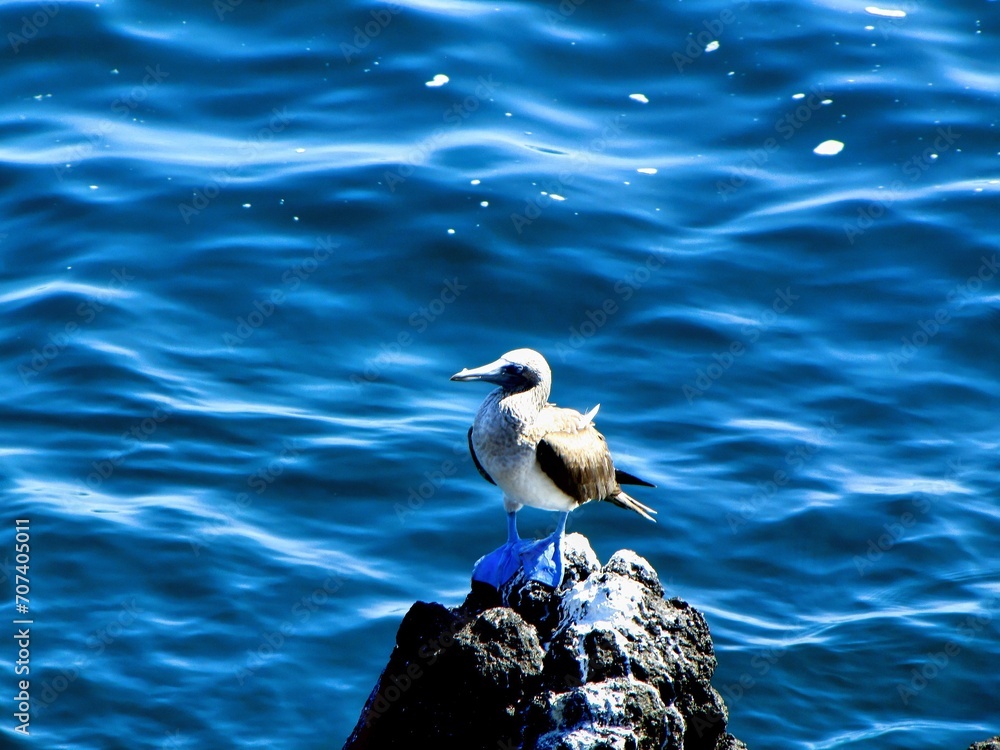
column 491, row 373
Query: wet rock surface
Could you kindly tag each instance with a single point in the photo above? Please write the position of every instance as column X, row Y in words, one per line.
column 605, row 663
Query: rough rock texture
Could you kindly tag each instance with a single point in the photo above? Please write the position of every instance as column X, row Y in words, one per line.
column 605, row 663
column 993, row 743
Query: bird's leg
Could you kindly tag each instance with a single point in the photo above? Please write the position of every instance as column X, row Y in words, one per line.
column 512, row 536
column 502, row 564
column 543, row 560
column 560, row 532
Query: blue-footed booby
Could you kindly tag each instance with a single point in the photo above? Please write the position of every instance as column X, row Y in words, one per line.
column 539, row 455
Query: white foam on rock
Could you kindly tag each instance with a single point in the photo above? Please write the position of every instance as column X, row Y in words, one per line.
column 605, row 709
column 606, row 705
column 577, row 544
column 612, row 604
column 634, row 559
column 591, row 605
column 585, row 739
column 616, row 604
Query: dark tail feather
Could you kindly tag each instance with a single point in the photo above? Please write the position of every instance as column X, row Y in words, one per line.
column 625, row 501
column 624, row 477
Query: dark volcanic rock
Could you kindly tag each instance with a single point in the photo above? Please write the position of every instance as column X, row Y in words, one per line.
column 452, row 678
column 991, row 744
column 605, row 663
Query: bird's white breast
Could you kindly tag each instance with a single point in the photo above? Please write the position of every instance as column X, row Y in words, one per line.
column 505, row 445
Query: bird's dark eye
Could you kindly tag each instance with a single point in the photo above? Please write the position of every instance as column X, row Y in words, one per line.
column 512, row 369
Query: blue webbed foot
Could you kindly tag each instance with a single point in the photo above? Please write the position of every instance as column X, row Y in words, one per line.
column 499, row 566
column 540, row 560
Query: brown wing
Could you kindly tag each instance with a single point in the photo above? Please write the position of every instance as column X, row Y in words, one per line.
column 579, row 464
column 475, row 460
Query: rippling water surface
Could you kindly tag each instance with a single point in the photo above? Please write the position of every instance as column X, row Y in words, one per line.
column 245, row 244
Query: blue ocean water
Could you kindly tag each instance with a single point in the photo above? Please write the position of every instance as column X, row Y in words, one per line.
column 245, row 244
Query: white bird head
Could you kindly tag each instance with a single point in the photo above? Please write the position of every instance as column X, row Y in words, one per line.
column 517, row 370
